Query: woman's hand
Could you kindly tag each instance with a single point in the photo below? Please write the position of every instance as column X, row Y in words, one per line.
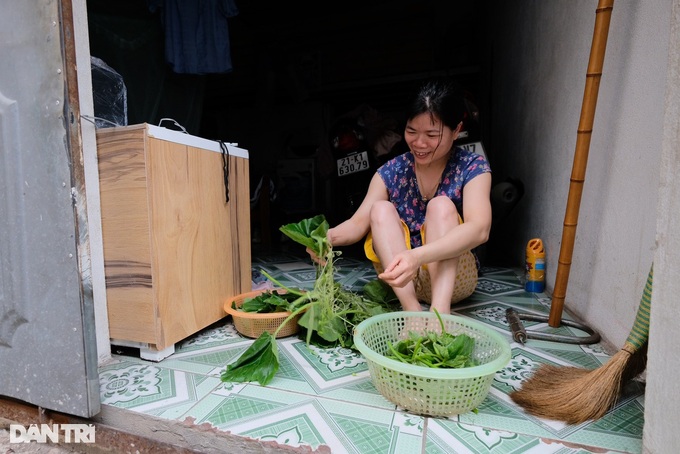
column 315, row 258
column 402, row 270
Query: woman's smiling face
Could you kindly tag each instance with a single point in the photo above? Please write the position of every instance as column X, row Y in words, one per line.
column 428, row 138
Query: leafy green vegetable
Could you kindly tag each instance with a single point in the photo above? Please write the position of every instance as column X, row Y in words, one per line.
column 311, row 233
column 269, row 301
column 259, row 362
column 330, row 311
column 378, row 290
column 432, row 349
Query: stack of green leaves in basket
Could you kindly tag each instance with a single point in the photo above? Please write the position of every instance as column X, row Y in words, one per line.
column 329, row 311
column 433, row 349
column 270, row 301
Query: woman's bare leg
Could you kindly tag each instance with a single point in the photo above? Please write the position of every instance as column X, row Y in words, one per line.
column 388, row 241
column 441, row 217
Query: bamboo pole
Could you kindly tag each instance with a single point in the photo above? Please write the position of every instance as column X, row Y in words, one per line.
column 578, row 173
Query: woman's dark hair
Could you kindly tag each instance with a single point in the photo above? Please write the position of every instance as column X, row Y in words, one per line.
column 441, row 97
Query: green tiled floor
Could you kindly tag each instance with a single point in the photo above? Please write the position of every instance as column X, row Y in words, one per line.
column 326, row 397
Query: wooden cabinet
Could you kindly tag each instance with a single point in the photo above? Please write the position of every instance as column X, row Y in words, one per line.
column 174, row 248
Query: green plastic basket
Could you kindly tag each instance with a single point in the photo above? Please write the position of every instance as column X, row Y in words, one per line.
column 424, row 390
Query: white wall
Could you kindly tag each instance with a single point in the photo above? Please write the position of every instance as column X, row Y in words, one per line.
column 541, row 53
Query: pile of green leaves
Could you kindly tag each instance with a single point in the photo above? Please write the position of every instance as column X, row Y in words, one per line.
column 432, row 349
column 269, row 301
column 330, row 312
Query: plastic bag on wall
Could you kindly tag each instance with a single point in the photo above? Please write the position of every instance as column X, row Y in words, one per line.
column 109, row 95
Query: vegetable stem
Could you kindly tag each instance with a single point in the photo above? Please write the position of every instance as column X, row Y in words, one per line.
column 289, row 290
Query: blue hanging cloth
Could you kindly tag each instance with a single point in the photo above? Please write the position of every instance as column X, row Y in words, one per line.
column 196, row 34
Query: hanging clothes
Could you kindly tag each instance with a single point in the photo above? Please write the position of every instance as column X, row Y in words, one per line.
column 196, row 34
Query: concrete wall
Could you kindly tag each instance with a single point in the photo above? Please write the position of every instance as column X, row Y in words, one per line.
column 629, row 209
column 540, row 58
column 663, row 367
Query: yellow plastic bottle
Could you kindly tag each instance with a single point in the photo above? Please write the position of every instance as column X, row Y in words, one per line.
column 535, row 266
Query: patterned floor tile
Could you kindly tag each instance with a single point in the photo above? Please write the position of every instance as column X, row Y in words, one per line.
column 296, row 420
column 499, row 412
column 221, row 333
column 488, row 286
column 150, row 389
column 326, row 396
column 458, row 438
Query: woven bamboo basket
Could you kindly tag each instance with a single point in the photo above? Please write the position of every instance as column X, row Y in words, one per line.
column 252, row 324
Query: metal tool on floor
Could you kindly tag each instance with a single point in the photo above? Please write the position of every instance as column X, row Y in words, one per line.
column 520, row 333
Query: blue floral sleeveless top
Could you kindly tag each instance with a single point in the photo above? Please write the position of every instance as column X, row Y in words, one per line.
column 399, row 177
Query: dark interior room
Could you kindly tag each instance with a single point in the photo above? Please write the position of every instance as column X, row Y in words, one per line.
column 297, row 85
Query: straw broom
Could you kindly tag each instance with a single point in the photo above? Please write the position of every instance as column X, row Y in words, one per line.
column 575, row 395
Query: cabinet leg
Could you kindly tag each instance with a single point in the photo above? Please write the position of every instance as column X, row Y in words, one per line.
column 151, row 354
column 146, row 351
